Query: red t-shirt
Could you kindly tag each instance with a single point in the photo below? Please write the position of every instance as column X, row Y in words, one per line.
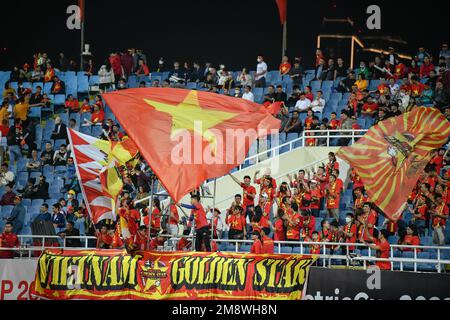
column 73, row 105
column 279, row 233
column 249, row 189
column 351, row 229
column 268, row 245
column 317, row 194
column 199, row 216
column 256, row 247
column 384, row 252
column 236, row 222
column 293, row 231
column 174, row 211
column 285, row 68
column 442, row 210
column 8, row 240
column 334, row 190
column 370, row 107
column 411, row 241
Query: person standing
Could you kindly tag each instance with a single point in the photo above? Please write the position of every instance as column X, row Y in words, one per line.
column 8, row 239
column 198, row 215
column 261, row 72
column 17, row 217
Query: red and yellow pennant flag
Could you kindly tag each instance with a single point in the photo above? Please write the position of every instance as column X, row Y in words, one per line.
column 189, row 136
column 282, row 10
column 95, row 162
column 390, row 157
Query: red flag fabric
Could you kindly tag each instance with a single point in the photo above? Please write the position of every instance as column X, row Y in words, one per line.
column 275, row 107
column 282, row 8
column 390, row 157
column 189, row 136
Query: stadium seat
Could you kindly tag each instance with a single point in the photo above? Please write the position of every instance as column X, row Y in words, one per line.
column 244, row 248
column 284, row 249
column 231, row 247
column 327, row 85
column 315, row 85
column 60, row 99
column 47, row 87
column 83, row 84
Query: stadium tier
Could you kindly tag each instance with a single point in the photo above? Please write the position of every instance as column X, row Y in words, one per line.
column 285, row 177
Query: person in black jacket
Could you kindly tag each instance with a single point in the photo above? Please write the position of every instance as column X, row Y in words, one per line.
column 196, row 73
column 60, row 131
column 70, row 232
column 40, row 191
column 280, row 95
column 58, row 86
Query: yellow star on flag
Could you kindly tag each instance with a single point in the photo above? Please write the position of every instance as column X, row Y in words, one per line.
column 188, row 112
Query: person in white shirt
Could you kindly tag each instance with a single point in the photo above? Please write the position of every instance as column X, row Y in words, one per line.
column 303, row 104
column 261, row 72
column 318, row 103
column 393, row 87
column 6, row 176
column 248, row 95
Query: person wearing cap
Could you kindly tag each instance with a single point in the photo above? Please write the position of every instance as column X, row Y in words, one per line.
column 17, row 216
column 381, row 244
column 261, row 72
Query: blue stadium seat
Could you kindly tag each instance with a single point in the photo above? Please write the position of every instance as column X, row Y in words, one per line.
column 244, row 248
column 47, row 87
column 83, row 84
column 296, row 250
column 315, row 85
column 94, row 80
column 191, row 85
column 284, row 249
column 374, row 85
column 37, row 202
column 327, row 85
column 336, row 96
column 231, row 247
column 26, row 202
column 6, row 211
column 60, row 99
column 96, row 131
column 291, row 136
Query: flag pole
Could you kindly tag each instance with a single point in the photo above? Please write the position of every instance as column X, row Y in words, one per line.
column 214, row 208
column 150, row 205
column 283, row 53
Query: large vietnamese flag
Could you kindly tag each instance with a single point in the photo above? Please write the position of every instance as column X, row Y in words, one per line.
column 189, row 136
column 390, row 157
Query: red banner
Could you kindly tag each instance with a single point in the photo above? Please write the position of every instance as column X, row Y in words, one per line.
column 114, row 274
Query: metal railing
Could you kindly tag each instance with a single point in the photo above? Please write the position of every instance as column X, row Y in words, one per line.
column 324, row 259
column 300, row 142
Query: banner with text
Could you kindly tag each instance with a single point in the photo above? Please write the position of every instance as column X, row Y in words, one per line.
column 115, row 274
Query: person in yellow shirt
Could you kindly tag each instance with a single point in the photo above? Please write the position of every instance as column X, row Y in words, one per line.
column 361, row 83
column 4, row 113
column 21, row 110
column 8, row 90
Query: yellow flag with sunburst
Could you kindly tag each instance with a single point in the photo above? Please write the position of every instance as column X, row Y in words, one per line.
column 390, row 157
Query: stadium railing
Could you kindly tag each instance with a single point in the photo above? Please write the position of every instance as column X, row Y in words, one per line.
column 325, row 259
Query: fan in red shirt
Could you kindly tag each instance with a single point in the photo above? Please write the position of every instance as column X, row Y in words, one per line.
column 332, row 163
column 349, row 233
column 98, row 116
column 85, row 107
column 316, row 195
column 369, row 108
column 267, row 243
column 198, row 215
column 283, row 192
column 333, row 124
column 249, row 192
column 293, row 223
column 438, row 160
column 8, row 240
column 356, row 179
column 314, row 248
column 257, row 246
column 72, row 104
column 155, row 225
column 285, row 66
column 416, row 87
column 139, row 240
column 267, row 185
column 426, row 68
column 333, row 196
column 308, row 224
column 237, row 224
column 368, row 221
column 104, row 238
column 157, row 241
column 383, row 249
column 124, row 212
column 279, row 233
column 360, row 198
column 264, row 209
column 411, row 239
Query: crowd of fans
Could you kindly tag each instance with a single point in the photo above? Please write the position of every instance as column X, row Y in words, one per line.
column 287, row 212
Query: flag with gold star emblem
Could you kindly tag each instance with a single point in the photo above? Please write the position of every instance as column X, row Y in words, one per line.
column 96, row 163
column 189, row 136
column 390, row 157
